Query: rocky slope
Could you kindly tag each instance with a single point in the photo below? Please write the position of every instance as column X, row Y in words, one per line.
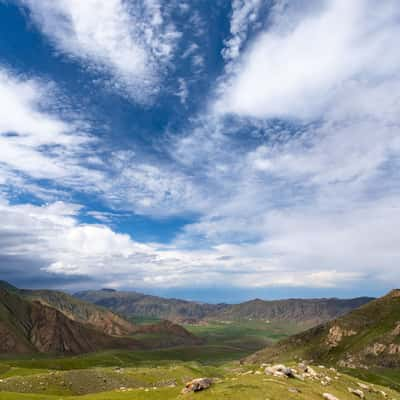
column 81, row 311
column 308, row 312
column 27, row 327
column 366, row 337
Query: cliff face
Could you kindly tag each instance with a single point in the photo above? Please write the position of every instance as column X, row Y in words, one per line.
column 31, row 326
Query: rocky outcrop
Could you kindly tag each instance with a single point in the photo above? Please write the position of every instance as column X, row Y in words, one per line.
column 197, row 385
column 336, row 334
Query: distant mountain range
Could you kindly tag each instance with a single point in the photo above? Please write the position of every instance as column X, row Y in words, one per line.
column 366, row 337
column 306, row 311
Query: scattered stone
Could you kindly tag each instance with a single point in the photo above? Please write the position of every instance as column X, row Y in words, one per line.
column 364, row 386
column 247, row 373
column 357, row 392
column 328, row 396
column 197, row 385
column 294, row 390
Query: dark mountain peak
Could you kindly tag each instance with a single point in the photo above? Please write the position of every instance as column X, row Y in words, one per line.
column 108, row 290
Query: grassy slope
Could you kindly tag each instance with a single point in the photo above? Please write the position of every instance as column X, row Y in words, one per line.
column 372, row 323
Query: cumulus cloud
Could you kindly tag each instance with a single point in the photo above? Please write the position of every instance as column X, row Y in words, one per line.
column 130, row 42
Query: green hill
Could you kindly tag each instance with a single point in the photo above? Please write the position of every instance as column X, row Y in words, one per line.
column 368, row 337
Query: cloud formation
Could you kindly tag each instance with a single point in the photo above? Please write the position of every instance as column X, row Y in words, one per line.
column 130, row 43
column 301, row 68
column 290, row 177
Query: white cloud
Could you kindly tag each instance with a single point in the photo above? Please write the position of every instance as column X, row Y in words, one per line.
column 34, row 142
column 244, row 14
column 300, row 71
column 131, row 42
column 314, row 194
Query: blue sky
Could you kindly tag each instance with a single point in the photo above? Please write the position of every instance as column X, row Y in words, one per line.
column 214, row 150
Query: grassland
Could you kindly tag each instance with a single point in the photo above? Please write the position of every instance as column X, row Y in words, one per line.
column 165, row 381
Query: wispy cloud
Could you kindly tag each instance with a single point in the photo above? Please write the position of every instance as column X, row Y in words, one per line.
column 34, row 143
column 130, row 43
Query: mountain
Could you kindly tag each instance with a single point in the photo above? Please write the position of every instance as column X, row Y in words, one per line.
column 366, row 337
column 305, row 311
column 133, row 304
column 27, row 327
column 308, row 312
column 81, row 311
column 162, row 334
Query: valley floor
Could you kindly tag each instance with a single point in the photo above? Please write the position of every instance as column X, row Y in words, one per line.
column 67, row 379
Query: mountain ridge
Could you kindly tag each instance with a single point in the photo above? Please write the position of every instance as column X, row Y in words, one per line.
column 135, row 304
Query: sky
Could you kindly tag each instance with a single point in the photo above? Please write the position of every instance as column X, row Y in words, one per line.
column 211, row 150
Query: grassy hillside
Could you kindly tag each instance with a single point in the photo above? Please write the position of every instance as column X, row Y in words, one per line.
column 366, row 339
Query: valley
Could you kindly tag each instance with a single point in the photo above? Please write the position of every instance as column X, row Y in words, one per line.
column 143, row 356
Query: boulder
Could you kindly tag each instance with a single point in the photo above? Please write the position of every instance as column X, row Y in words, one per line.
column 279, row 371
column 197, row 385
